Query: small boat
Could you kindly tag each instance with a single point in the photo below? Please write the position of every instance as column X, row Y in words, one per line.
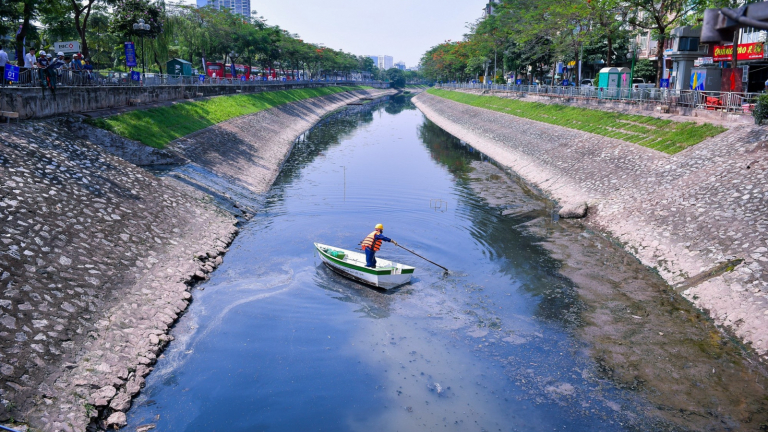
column 386, row 275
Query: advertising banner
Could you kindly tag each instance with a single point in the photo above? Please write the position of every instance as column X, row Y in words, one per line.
column 750, row 51
column 130, row 55
column 68, row 47
column 698, row 79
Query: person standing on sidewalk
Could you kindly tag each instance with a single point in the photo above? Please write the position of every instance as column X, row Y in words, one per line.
column 3, row 62
column 30, row 59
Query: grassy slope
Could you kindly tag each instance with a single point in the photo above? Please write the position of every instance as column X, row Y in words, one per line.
column 663, row 135
column 157, row 127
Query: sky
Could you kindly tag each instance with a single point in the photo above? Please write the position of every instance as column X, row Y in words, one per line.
column 404, row 29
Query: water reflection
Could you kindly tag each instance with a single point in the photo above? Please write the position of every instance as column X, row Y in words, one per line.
column 278, row 342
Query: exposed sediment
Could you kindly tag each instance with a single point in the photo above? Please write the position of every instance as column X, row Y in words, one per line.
column 683, row 214
column 98, row 257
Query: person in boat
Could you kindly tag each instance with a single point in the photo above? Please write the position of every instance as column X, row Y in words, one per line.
column 372, row 244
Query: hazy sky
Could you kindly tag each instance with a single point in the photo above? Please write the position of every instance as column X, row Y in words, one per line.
column 404, row 29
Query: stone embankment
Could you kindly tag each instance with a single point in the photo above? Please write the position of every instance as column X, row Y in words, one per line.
column 699, row 217
column 98, row 256
column 31, row 102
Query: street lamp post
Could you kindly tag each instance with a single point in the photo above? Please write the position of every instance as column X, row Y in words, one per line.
column 631, row 55
column 141, row 28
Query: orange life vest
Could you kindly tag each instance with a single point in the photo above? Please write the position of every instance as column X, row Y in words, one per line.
column 370, row 243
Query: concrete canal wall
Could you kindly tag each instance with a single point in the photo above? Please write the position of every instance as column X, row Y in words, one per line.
column 98, row 256
column 687, row 215
column 30, row 102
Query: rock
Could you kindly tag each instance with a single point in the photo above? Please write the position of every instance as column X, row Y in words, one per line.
column 218, row 261
column 102, row 396
column 153, row 339
column 573, row 211
column 134, row 386
column 145, row 428
column 117, row 419
column 121, row 402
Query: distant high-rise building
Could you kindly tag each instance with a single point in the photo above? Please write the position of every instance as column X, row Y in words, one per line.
column 241, row 7
column 490, row 8
column 400, row 65
column 386, row 62
column 383, row 62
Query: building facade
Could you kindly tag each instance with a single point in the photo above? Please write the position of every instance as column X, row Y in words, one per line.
column 400, row 65
column 383, row 62
column 240, row 7
column 490, row 7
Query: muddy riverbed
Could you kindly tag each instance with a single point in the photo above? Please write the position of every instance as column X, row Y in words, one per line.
column 540, row 325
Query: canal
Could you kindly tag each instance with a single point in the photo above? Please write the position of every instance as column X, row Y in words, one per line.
column 540, row 325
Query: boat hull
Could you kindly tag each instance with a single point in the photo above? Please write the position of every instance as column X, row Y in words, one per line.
column 389, row 276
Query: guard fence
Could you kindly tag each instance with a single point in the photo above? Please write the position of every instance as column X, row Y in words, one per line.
column 69, row 78
column 741, row 102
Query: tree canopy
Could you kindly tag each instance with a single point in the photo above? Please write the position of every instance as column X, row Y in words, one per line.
column 176, row 31
column 528, row 37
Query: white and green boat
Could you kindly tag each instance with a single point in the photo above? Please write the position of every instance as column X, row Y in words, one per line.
column 386, row 275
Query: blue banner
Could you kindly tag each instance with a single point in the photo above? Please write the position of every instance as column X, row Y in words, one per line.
column 201, row 78
column 135, row 76
column 11, row 72
column 664, row 83
column 697, row 80
column 130, row 55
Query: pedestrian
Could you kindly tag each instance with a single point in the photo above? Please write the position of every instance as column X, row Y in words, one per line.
column 77, row 62
column 29, row 59
column 87, row 68
column 46, row 74
column 372, row 244
column 3, row 62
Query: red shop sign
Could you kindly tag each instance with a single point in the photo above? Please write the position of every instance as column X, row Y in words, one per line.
column 750, row 51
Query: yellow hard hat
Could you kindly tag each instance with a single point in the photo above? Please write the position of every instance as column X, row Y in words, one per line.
column 379, row 226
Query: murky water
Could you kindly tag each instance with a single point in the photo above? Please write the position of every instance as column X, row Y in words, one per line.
column 277, row 342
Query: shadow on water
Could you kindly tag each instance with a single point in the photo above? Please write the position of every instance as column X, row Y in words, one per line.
column 642, row 336
column 492, row 227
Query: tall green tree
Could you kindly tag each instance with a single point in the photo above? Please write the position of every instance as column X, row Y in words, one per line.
column 660, row 17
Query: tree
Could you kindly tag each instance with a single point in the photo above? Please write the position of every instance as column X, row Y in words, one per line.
column 396, row 77
column 659, row 16
column 26, row 11
column 609, row 18
column 82, row 11
column 645, row 69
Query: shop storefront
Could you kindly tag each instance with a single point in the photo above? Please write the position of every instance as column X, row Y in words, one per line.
column 752, row 64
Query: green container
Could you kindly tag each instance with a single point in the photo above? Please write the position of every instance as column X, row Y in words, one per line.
column 337, row 254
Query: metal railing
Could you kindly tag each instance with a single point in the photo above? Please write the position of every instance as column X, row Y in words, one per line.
column 70, row 78
column 696, row 99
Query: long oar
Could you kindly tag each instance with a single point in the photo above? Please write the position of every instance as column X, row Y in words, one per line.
column 398, row 245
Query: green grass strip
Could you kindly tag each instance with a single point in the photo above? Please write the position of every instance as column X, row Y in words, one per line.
column 663, row 135
column 156, row 127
